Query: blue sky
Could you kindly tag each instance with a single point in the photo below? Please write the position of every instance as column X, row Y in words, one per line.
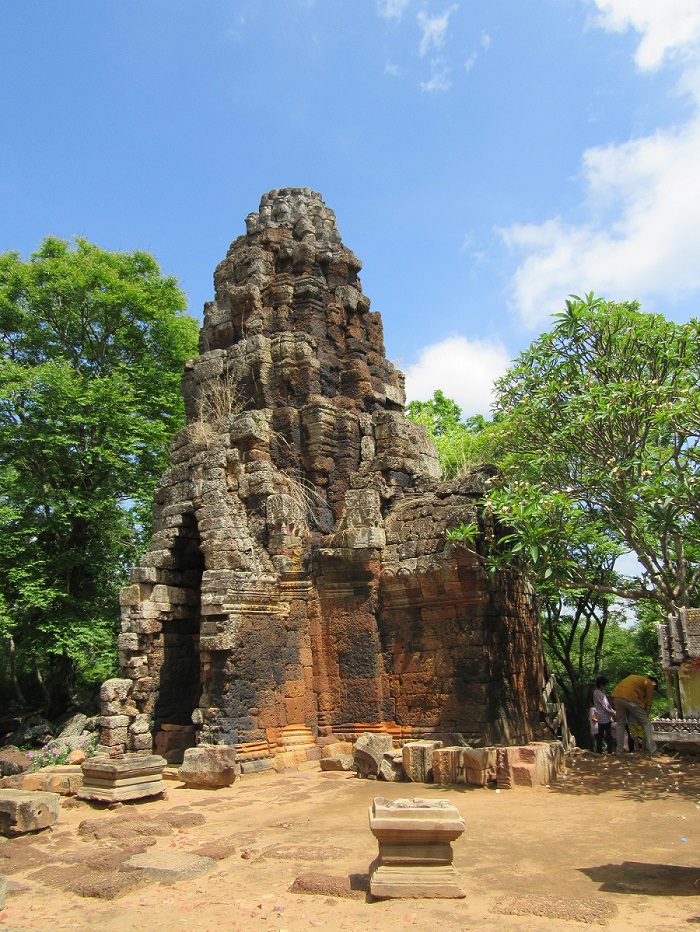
column 484, row 159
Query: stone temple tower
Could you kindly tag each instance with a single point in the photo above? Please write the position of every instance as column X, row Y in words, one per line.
column 299, row 586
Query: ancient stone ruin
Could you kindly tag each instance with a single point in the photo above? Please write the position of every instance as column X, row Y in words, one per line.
column 299, row 588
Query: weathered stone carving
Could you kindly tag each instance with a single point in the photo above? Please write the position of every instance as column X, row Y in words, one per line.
column 298, row 575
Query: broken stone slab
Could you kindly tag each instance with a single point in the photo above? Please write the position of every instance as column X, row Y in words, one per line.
column 418, row 760
column 415, row 848
column 23, row 811
column 170, row 865
column 3, row 891
column 342, row 762
column 369, row 753
column 391, row 767
column 120, row 779
column 13, row 761
column 64, row 779
column 210, row 765
column 475, row 766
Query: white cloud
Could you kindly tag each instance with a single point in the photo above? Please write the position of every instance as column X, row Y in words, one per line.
column 439, row 80
column 667, row 27
column 393, row 70
column 434, row 29
column 392, row 9
column 642, row 236
column 485, row 41
column 471, row 61
column 463, row 369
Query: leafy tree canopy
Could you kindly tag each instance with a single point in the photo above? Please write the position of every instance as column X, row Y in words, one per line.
column 461, row 444
column 92, row 345
column 600, row 425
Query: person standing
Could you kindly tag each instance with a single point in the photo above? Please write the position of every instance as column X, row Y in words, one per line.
column 634, row 694
column 604, row 714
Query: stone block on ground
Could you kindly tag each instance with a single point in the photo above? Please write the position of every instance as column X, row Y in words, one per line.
column 13, row 761
column 23, row 811
column 369, row 753
column 120, row 779
column 210, row 765
column 391, row 767
column 342, row 762
column 170, row 865
column 536, row 764
column 418, row 760
column 64, row 779
column 3, row 891
column 415, row 848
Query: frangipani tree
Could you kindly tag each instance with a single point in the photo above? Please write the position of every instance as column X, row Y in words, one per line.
column 600, row 424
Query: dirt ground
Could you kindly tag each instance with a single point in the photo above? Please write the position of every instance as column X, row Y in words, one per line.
column 612, row 844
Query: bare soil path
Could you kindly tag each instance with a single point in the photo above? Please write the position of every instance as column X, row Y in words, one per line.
column 613, row 844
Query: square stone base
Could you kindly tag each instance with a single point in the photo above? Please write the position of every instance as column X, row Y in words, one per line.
column 394, row 881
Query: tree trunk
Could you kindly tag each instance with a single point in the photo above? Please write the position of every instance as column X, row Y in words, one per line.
column 62, row 696
column 13, row 670
column 40, row 682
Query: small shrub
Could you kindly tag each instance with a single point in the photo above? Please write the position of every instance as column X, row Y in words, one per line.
column 56, row 752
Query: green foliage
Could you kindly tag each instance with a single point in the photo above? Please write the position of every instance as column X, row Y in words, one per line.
column 600, row 426
column 92, row 345
column 461, row 444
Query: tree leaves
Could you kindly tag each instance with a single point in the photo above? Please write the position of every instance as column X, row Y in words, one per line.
column 92, row 345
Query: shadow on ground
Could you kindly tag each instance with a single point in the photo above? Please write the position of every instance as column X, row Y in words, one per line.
column 638, row 877
column 637, row 777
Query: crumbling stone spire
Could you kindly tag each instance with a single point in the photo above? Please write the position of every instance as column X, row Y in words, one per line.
column 299, row 585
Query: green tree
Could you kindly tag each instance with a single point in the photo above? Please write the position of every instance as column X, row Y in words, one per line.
column 600, row 424
column 461, row 444
column 92, row 345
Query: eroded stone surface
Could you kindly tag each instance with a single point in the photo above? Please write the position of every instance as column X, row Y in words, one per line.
column 22, row 811
column 209, row 766
column 170, row 865
column 298, row 579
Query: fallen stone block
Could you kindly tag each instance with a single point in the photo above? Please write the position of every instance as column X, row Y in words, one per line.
column 65, row 780
column 369, row 752
column 418, row 760
column 391, row 767
column 13, row 761
column 342, row 762
column 23, row 811
column 120, row 779
column 209, row 765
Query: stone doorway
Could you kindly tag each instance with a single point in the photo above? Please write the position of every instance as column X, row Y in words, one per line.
column 180, row 672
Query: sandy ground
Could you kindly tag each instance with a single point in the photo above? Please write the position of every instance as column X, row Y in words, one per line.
column 613, row 844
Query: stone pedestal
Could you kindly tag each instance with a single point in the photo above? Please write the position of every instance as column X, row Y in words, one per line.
column 119, row 779
column 415, row 848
